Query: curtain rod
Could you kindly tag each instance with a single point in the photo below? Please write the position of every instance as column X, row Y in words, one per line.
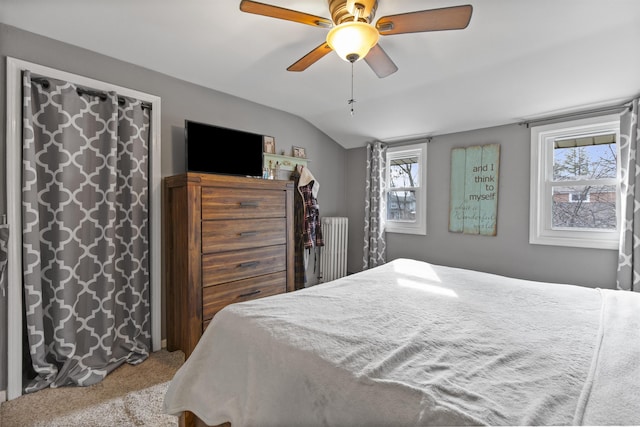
column 85, row 91
column 406, row 140
column 610, row 109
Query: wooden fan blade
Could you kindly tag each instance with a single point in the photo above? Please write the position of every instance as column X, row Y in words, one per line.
column 310, row 58
column 380, row 62
column 448, row 18
column 282, row 13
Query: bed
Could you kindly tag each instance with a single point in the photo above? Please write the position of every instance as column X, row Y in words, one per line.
column 411, row 344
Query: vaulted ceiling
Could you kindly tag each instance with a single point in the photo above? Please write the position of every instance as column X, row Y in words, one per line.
column 517, row 59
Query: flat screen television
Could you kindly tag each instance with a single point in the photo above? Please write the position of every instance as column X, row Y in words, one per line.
column 215, row 149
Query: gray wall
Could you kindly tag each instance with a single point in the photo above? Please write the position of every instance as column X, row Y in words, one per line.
column 180, row 101
column 509, row 253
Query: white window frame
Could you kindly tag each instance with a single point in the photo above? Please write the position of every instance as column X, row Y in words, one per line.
column 540, row 227
column 419, row 226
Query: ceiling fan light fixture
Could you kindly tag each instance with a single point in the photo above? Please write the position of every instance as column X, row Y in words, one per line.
column 352, row 40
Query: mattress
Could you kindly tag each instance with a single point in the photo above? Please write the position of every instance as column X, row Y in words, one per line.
column 411, row 344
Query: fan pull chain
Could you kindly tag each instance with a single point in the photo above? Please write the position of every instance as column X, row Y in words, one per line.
column 352, row 100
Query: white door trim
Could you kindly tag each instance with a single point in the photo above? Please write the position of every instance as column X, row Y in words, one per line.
column 14, row 203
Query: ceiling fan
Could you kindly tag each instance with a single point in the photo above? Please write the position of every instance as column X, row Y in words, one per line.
column 352, row 34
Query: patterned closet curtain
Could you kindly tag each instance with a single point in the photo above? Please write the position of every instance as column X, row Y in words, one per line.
column 629, row 256
column 375, row 207
column 86, row 232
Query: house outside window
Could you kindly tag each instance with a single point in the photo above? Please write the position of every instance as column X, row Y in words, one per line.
column 575, row 183
column 576, row 198
column 406, row 189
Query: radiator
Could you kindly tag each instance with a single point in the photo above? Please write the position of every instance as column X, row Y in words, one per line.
column 333, row 256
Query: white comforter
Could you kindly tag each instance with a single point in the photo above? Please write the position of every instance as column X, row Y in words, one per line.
column 410, row 343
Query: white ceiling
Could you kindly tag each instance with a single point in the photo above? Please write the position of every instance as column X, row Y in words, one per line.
column 517, row 59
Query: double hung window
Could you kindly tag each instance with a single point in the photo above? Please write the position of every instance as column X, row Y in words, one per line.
column 406, row 179
column 575, row 191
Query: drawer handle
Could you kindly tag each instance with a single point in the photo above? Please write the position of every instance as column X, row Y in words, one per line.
column 248, row 294
column 249, row 264
column 248, row 204
column 248, row 233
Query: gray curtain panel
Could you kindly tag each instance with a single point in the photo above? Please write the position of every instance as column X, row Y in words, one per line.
column 85, row 232
column 4, row 254
column 375, row 207
column 629, row 256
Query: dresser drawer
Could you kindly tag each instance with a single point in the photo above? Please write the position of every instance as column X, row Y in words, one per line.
column 234, row 234
column 215, row 298
column 229, row 203
column 236, row 265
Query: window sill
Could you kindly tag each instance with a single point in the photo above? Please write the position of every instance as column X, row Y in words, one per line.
column 590, row 242
column 417, row 230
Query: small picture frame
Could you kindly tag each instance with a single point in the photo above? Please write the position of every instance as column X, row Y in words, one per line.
column 299, row 152
column 269, row 144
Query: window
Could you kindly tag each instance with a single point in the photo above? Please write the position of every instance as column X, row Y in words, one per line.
column 575, row 185
column 406, row 190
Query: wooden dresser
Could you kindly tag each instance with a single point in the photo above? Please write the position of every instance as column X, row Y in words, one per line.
column 227, row 239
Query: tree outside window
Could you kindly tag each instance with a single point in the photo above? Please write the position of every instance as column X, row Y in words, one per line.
column 401, row 197
column 581, row 196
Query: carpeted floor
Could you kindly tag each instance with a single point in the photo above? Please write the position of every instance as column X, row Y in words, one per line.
column 129, row 396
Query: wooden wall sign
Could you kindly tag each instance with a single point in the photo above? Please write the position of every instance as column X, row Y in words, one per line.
column 473, row 205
